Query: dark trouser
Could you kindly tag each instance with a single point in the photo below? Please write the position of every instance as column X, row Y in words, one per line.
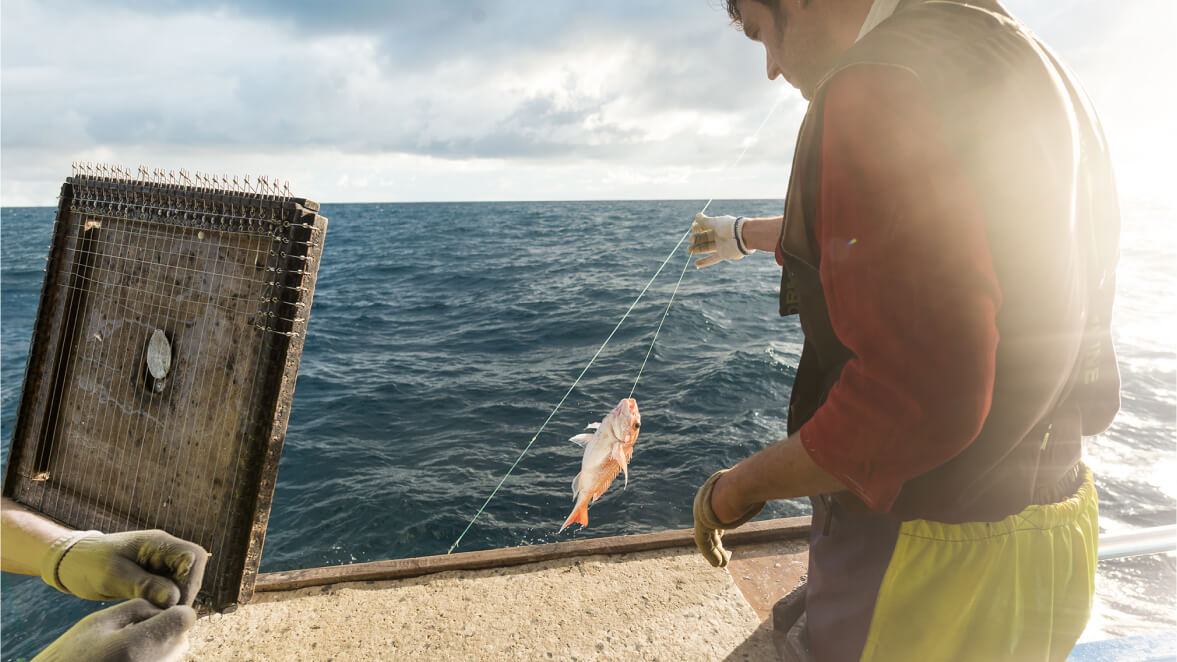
column 788, row 625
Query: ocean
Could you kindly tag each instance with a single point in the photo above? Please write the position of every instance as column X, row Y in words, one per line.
column 444, row 334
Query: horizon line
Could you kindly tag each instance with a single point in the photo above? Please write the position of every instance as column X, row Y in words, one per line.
column 445, row 202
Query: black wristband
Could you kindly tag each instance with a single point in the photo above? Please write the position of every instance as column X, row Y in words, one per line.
column 736, row 233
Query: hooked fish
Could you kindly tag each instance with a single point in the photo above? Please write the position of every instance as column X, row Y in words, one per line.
column 607, row 451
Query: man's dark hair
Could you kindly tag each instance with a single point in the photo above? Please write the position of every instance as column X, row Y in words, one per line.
column 734, row 12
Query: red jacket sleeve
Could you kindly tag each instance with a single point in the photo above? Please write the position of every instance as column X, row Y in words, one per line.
column 910, row 287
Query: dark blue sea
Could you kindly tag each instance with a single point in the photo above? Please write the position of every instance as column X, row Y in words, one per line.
column 443, row 335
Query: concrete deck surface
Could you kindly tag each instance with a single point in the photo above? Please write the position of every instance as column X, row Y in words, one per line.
column 665, row 604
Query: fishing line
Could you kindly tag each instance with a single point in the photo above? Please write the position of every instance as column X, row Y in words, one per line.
column 747, row 144
column 660, row 322
column 570, row 389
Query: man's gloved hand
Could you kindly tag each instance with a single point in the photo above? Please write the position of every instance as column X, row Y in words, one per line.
column 718, row 235
column 132, row 631
column 709, row 530
column 137, row 564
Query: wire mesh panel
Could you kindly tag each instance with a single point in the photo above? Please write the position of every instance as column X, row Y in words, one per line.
column 163, row 362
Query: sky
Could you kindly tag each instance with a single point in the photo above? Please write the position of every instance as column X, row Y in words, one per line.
column 449, row 100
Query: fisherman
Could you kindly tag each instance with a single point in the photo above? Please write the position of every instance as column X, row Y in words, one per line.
column 949, row 242
column 157, row 574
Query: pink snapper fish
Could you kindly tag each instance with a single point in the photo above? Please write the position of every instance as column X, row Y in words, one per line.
column 606, row 452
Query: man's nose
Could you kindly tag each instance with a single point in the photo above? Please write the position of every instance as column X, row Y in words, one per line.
column 773, row 70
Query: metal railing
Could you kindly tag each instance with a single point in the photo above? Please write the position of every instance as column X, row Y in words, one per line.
column 1136, row 543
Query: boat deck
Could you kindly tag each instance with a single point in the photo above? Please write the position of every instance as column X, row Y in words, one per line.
column 649, row 597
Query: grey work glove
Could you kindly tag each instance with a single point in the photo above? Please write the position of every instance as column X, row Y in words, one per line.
column 132, row 631
column 718, row 238
column 709, row 530
column 136, row 564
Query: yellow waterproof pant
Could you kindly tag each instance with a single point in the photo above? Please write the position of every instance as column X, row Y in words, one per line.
column 1018, row 589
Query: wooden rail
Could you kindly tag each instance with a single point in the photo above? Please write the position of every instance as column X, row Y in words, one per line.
column 755, row 532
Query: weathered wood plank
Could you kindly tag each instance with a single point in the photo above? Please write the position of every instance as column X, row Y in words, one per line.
column 755, row 532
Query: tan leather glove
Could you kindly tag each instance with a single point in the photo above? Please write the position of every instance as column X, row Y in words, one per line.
column 709, row 530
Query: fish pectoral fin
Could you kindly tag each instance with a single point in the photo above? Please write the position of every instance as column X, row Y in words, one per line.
column 618, row 454
column 582, row 439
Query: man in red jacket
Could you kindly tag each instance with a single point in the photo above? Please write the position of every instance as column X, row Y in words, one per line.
column 949, row 243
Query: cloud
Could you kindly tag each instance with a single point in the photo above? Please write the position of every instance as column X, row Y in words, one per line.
column 375, row 80
column 587, row 89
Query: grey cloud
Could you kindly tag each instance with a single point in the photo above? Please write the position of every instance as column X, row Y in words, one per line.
column 425, row 78
column 693, row 64
column 424, row 91
column 424, row 33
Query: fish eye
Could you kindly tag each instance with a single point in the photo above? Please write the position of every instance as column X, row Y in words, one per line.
column 636, row 425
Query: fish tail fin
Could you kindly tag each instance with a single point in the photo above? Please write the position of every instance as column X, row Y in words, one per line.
column 579, row 515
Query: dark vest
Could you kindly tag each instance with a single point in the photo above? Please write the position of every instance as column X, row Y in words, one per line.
column 1032, row 147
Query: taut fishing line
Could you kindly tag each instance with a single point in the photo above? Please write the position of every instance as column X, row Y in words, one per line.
column 751, row 140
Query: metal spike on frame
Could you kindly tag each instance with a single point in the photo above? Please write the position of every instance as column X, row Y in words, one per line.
column 262, row 185
column 196, row 201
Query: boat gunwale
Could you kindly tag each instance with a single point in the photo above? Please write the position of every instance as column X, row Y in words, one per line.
column 752, row 533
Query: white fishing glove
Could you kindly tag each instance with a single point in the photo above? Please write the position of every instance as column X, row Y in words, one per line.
column 132, row 631
column 717, row 238
column 137, row 564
